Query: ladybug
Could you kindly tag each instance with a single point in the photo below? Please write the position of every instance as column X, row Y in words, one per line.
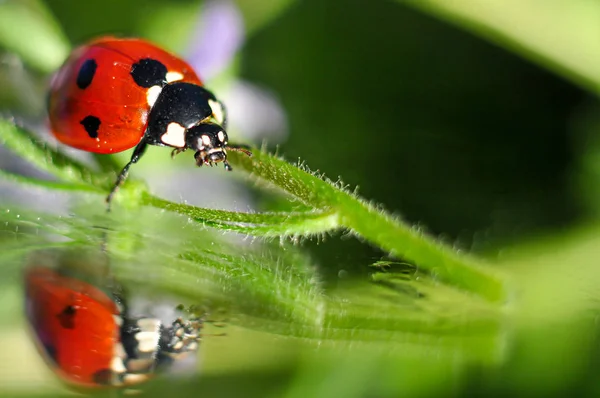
column 89, row 337
column 113, row 94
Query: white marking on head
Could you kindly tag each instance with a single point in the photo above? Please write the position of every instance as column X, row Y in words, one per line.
column 152, row 94
column 218, row 111
column 205, row 140
column 174, row 76
column 175, row 135
column 221, row 136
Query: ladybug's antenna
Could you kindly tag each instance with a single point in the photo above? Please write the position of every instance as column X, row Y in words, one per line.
column 236, row 148
column 239, row 148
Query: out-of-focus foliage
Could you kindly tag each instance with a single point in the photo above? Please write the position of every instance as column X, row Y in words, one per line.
column 558, row 35
column 27, row 28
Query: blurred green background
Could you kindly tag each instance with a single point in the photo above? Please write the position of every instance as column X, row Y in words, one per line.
column 478, row 121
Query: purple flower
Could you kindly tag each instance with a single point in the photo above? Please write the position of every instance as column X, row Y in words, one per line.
column 217, row 38
column 254, row 113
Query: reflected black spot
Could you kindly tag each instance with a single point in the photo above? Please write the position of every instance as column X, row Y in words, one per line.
column 103, row 377
column 67, row 317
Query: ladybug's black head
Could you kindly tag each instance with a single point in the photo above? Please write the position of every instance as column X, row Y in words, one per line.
column 209, row 140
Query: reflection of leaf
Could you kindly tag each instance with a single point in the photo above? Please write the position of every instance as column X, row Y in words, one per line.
column 269, row 281
column 562, row 36
column 263, row 286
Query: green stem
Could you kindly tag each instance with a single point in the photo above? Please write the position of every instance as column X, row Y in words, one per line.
column 261, row 224
column 57, row 185
column 32, row 149
column 377, row 227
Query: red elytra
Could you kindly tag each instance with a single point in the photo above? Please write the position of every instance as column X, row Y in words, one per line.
column 74, row 323
column 108, row 92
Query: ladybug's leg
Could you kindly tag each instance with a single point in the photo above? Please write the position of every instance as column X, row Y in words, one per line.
column 177, row 151
column 137, row 154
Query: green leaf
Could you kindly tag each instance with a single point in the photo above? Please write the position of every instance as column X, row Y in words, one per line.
column 39, row 153
column 56, row 185
column 333, row 208
column 268, row 295
column 282, row 224
column 376, row 226
column 561, row 36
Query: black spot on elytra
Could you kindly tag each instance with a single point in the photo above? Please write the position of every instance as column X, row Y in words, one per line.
column 149, row 72
column 67, row 317
column 91, row 124
column 86, row 73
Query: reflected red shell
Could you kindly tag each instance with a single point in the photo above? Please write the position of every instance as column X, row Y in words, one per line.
column 112, row 95
column 74, row 323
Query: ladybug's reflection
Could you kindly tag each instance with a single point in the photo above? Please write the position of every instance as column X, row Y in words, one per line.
column 85, row 329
